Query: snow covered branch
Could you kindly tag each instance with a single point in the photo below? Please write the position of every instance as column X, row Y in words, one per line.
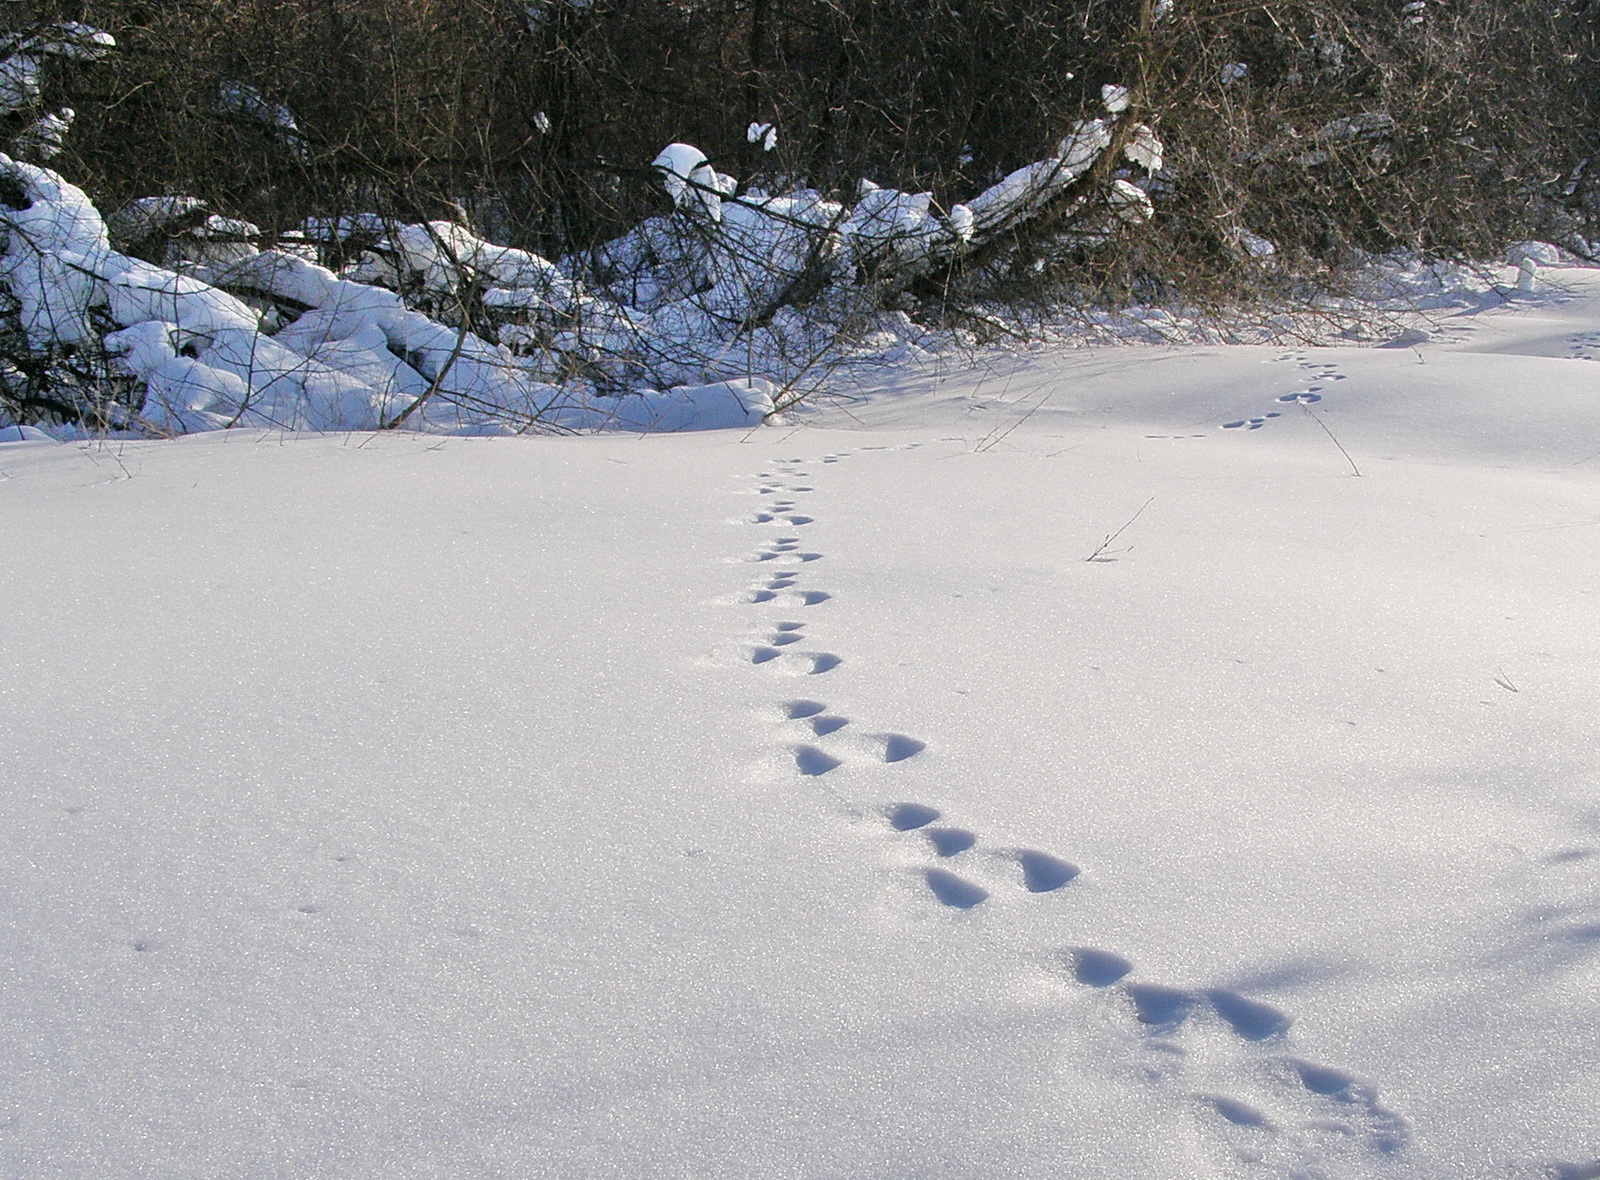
column 700, row 318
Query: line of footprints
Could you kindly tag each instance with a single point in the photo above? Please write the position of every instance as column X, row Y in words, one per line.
column 1335, row 1107
column 1307, row 396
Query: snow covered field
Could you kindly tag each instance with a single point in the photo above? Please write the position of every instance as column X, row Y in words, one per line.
column 804, row 803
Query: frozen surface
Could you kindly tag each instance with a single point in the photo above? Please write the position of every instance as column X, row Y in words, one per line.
column 804, row 802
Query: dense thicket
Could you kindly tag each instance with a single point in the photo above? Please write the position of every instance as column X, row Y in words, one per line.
column 1447, row 126
column 468, row 213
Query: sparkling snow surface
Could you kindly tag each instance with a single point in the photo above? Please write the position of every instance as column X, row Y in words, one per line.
column 804, row 803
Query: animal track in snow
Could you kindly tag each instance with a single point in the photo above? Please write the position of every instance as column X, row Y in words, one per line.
column 1309, row 395
column 1240, row 1114
column 954, row 891
column 908, row 817
column 785, row 548
column 805, row 663
column 1293, row 1108
column 1041, row 872
column 812, row 761
column 1250, row 1019
column 877, row 747
column 898, row 747
column 1250, row 423
column 816, row 717
column 1165, row 1007
column 779, row 641
column 1352, row 1110
column 1097, row 968
column 1270, row 1103
column 1582, row 347
column 1335, row 1109
column 1158, row 1005
column 948, row 842
column 1168, row 1007
column 784, row 584
column 1566, row 1171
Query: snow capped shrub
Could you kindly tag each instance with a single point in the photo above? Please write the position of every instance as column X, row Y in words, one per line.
column 696, row 319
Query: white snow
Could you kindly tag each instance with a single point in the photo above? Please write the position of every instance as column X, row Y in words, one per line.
column 15, row 434
column 240, row 98
column 392, row 805
column 1255, row 245
column 244, row 100
column 686, row 309
column 21, row 83
column 21, row 65
column 1144, row 149
column 56, row 253
column 358, row 357
column 44, row 137
column 689, row 178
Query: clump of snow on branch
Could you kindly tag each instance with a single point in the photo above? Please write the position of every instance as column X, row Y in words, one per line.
column 21, row 83
column 1144, row 149
column 248, row 103
column 44, row 138
column 23, row 56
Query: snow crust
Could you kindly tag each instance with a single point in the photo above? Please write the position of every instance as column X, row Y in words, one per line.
column 806, row 801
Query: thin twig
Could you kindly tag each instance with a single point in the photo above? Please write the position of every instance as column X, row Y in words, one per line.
column 1315, row 418
column 1104, row 545
column 990, row 441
